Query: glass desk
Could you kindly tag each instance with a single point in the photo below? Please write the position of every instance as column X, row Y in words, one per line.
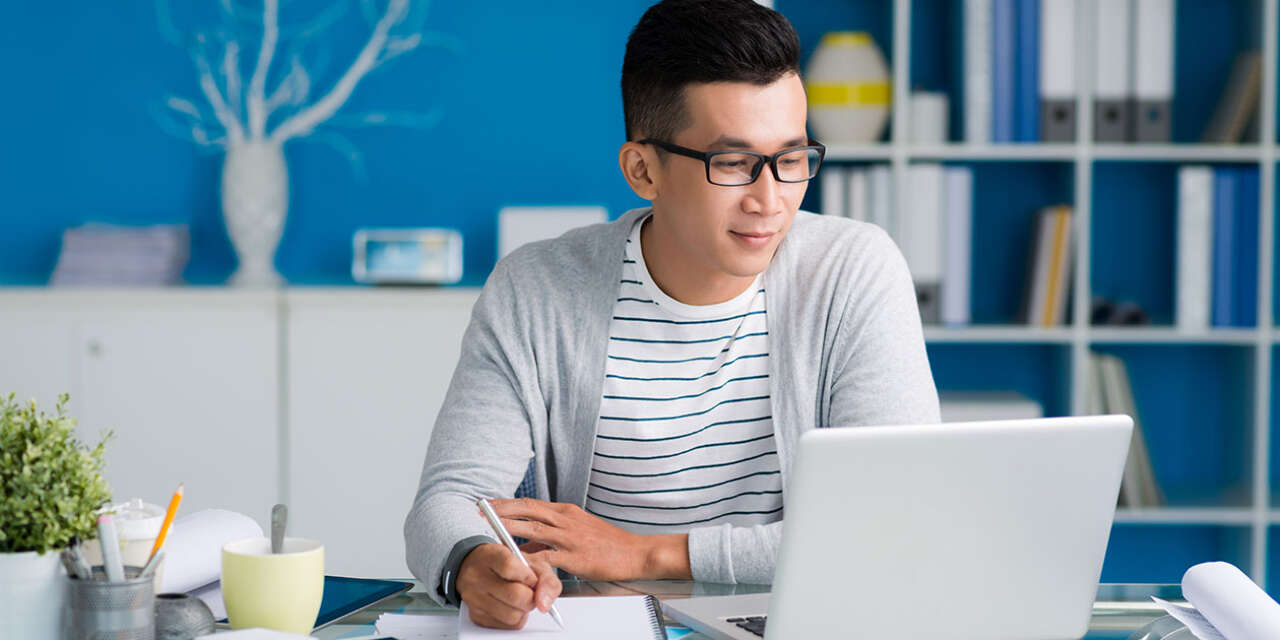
column 1120, row 608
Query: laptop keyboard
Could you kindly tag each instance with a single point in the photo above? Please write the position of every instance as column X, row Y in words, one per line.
column 754, row 624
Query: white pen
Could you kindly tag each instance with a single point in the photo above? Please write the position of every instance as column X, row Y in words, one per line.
column 505, row 536
column 111, row 563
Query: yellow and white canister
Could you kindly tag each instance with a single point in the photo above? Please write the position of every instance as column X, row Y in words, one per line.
column 847, row 83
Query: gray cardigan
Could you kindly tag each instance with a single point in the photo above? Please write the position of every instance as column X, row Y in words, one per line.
column 845, row 349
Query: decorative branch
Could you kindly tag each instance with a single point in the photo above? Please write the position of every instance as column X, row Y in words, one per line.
column 220, row 109
column 292, row 90
column 305, row 121
column 193, row 130
column 231, row 70
column 244, row 111
column 258, row 83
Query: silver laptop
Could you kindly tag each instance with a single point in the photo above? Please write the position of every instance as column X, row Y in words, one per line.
column 952, row 531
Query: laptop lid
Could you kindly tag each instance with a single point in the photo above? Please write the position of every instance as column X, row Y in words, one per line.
column 963, row 530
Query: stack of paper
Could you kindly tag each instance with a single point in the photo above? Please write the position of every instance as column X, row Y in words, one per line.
column 1227, row 604
column 101, row 254
column 418, row 627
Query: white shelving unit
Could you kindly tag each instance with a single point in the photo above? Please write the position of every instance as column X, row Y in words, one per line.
column 1256, row 513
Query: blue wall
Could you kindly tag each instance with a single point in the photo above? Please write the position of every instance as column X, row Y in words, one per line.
column 530, row 114
column 530, row 108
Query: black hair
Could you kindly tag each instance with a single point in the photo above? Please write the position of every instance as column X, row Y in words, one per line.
column 679, row 42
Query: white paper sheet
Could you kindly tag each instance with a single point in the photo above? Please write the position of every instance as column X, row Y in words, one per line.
column 1203, row 629
column 411, row 627
column 613, row 617
column 193, row 550
column 1231, row 602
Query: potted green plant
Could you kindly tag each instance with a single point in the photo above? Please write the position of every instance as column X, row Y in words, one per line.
column 51, row 485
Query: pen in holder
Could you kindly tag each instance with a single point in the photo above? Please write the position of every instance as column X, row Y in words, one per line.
column 100, row 610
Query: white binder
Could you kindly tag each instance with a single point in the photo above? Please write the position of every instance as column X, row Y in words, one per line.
column 1058, row 70
column 1152, row 75
column 1111, row 115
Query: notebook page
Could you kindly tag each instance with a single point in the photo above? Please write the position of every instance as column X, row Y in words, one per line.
column 615, row 617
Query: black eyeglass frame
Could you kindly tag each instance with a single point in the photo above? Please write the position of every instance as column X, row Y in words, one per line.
column 771, row 160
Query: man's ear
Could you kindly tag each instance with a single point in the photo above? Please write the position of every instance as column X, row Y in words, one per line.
column 639, row 164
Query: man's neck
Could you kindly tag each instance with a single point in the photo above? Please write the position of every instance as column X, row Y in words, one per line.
column 687, row 280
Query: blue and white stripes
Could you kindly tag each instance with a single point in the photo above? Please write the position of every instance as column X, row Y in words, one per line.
column 685, row 434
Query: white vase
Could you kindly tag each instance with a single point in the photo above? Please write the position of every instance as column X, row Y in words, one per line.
column 255, row 199
column 847, row 84
column 32, row 595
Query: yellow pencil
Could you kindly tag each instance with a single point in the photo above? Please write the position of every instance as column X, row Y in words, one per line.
column 168, row 520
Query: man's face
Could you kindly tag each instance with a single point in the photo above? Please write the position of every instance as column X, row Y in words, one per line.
column 734, row 230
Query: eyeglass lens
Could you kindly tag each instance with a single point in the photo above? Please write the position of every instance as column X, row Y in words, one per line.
column 736, row 169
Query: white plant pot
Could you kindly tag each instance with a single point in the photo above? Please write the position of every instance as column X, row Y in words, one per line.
column 255, row 199
column 847, row 84
column 32, row 595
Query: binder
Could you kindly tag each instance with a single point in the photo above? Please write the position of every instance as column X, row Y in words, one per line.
column 921, row 230
column 1152, row 76
column 859, row 200
column 1058, row 70
column 1027, row 87
column 1003, row 69
column 880, row 194
column 833, row 180
column 977, row 71
column 1195, row 246
column 1245, row 313
column 1224, row 196
column 958, row 231
column 1111, row 107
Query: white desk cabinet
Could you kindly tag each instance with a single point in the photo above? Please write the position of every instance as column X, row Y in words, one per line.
column 186, row 379
column 322, row 398
column 367, row 373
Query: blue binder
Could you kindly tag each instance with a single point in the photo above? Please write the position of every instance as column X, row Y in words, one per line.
column 1027, row 96
column 1224, row 209
column 1003, row 72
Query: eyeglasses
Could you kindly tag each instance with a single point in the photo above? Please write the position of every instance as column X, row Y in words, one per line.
column 738, row 168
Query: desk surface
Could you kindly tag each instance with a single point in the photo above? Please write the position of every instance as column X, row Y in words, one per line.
column 1119, row 610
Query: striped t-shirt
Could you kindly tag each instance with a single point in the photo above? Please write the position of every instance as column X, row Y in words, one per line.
column 685, row 434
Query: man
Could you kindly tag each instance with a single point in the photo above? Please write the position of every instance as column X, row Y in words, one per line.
column 659, row 369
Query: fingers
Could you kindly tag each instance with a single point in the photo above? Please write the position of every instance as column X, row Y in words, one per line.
column 536, row 531
column 526, row 508
column 497, row 587
column 509, row 568
column 548, row 588
column 532, row 547
column 503, row 618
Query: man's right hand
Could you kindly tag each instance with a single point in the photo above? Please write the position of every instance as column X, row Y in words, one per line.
column 500, row 591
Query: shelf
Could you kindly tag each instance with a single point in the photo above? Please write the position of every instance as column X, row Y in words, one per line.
column 1178, row 152
column 1052, row 152
column 1172, row 335
column 859, row 152
column 1020, row 334
column 1186, row 515
column 1058, row 152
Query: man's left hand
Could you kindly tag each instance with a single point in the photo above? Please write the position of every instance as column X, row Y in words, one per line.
column 569, row 538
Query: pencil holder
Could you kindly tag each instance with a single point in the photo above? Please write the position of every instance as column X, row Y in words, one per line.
column 101, row 610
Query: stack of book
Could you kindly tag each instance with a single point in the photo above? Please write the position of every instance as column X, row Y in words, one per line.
column 1110, row 392
column 1020, row 79
column 1217, row 247
column 109, row 255
column 1048, row 282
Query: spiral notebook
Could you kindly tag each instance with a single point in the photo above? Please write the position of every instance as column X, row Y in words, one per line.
column 615, row 617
